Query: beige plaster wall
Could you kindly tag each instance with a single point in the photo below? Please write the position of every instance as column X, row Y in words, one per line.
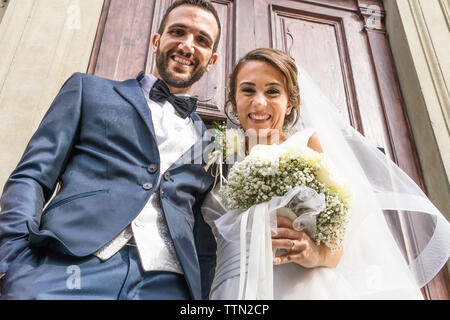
column 419, row 35
column 42, row 42
column 3, row 5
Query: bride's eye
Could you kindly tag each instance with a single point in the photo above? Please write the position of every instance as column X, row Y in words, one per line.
column 247, row 90
column 273, row 91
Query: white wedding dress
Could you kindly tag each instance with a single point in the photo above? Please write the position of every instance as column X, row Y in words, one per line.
column 372, row 266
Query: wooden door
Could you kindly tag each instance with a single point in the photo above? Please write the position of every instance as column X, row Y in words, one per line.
column 342, row 44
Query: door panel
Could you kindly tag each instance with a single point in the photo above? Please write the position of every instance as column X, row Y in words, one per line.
column 317, row 43
column 123, row 38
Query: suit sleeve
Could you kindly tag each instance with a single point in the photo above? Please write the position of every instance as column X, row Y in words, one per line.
column 33, row 181
column 206, row 249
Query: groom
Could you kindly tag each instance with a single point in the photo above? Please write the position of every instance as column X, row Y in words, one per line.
column 125, row 223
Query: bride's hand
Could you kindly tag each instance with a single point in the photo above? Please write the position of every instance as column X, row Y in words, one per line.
column 301, row 248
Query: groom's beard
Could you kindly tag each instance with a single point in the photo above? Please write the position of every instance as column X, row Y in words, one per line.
column 162, row 63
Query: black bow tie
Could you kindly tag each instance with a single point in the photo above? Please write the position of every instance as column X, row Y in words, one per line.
column 184, row 106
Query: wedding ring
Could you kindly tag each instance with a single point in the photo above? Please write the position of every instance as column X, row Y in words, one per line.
column 292, row 247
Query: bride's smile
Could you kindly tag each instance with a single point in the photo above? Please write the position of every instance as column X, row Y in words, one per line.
column 259, row 117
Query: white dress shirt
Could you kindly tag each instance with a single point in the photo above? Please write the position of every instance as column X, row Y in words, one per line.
column 174, row 136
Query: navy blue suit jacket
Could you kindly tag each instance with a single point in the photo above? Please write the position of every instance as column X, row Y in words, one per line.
column 97, row 140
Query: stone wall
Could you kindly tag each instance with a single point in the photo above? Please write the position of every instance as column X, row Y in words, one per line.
column 420, row 39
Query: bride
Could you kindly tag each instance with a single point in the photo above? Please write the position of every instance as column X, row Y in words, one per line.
column 274, row 107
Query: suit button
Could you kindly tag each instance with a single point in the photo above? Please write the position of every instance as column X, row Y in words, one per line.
column 167, row 175
column 147, row 185
column 152, row 168
column 162, row 194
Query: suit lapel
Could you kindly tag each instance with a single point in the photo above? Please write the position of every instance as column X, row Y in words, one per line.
column 132, row 92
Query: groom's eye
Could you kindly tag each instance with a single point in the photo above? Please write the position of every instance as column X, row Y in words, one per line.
column 176, row 32
column 204, row 41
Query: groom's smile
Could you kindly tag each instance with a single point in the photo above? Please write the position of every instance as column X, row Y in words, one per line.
column 182, row 60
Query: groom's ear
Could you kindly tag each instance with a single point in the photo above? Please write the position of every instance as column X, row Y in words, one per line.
column 212, row 61
column 155, row 41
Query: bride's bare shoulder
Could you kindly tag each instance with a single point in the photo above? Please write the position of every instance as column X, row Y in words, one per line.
column 314, row 143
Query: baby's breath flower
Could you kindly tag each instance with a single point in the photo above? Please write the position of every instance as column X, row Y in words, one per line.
column 271, row 171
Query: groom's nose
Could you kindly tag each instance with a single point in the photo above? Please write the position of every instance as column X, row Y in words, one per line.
column 187, row 45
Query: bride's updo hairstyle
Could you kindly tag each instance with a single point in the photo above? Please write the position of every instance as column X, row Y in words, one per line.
column 285, row 65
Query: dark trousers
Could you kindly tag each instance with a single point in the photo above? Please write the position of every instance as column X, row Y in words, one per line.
column 40, row 274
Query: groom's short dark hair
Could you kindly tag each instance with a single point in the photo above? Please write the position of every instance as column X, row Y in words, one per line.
column 203, row 4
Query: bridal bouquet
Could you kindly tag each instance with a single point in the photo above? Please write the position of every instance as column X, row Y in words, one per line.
column 271, row 170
